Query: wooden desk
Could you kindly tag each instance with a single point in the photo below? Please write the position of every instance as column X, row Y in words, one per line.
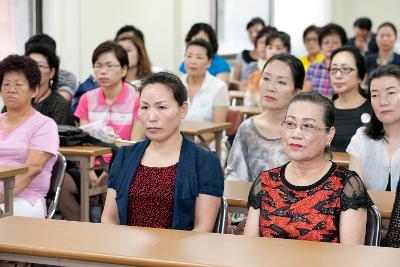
column 236, row 96
column 84, row 244
column 82, row 154
column 247, row 111
column 341, row 158
column 7, row 174
column 237, row 192
column 197, row 128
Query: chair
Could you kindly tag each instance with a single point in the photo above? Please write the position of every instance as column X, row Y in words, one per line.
column 373, row 228
column 220, row 223
column 56, row 181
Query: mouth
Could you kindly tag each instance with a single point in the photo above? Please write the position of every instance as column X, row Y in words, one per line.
column 385, row 112
column 102, row 80
column 153, row 129
column 295, row 146
column 338, row 85
column 269, row 98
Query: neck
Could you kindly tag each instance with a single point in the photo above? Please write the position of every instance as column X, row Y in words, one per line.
column 43, row 93
column 16, row 115
column 327, row 61
column 273, row 116
column 392, row 131
column 384, row 55
column 349, row 99
column 195, row 80
column 173, row 143
column 309, row 168
column 113, row 92
column 132, row 74
column 312, row 57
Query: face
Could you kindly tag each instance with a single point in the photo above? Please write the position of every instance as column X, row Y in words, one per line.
column 108, row 70
column 361, row 33
column 274, row 48
column 253, row 31
column 201, row 35
column 132, row 52
column 386, row 39
column 196, row 60
column 307, row 144
column 330, row 43
column 276, row 86
column 159, row 112
column 341, row 81
column 260, row 47
column 385, row 99
column 311, row 43
column 45, row 71
column 15, row 91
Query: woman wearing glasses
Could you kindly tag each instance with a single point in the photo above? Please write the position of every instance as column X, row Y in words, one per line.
column 309, row 198
column 352, row 108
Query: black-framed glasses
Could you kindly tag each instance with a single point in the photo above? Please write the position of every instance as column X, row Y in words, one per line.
column 343, row 70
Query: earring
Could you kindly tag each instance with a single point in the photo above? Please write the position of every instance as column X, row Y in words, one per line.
column 51, row 82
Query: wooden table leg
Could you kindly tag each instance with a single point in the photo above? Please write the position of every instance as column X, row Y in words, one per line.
column 9, row 183
column 218, row 139
column 84, row 164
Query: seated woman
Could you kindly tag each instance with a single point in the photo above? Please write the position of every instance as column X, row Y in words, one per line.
column 352, row 108
column 139, row 63
column 309, row 198
column 310, row 39
column 392, row 238
column 26, row 136
column 258, row 144
column 219, row 67
column 374, row 149
column 165, row 181
column 208, row 95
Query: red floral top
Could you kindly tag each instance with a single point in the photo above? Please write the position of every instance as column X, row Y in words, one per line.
column 306, row 212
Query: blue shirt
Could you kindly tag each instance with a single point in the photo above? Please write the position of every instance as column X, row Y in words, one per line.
column 199, row 172
column 218, row 65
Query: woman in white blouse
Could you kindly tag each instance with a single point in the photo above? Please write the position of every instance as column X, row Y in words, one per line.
column 374, row 149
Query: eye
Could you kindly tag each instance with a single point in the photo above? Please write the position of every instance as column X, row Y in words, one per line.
column 162, row 107
column 282, row 83
column 309, row 126
column 374, row 95
column 290, row 124
column 143, row 107
column 266, row 78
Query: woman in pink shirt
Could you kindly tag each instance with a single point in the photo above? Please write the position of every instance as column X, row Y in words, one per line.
column 26, row 136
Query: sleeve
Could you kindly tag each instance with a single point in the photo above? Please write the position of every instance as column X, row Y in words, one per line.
column 221, row 98
column 45, row 137
column 211, row 177
column 182, row 68
column 354, row 195
column 310, row 72
column 221, row 65
column 67, row 82
column 136, row 109
column 62, row 113
column 355, row 146
column 113, row 181
column 237, row 168
column 82, row 110
column 392, row 238
column 254, row 199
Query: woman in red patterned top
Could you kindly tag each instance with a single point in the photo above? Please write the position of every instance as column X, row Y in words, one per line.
column 309, row 198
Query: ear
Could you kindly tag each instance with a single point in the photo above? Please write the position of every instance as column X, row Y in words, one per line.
column 331, row 134
column 184, row 109
column 52, row 72
column 124, row 71
column 209, row 63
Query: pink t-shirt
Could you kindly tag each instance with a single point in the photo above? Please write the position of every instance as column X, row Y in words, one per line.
column 40, row 133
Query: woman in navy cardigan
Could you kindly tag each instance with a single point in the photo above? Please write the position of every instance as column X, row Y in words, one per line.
column 165, row 181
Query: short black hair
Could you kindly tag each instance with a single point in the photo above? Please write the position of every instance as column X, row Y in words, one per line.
column 129, row 28
column 265, row 32
column 375, row 128
column 332, row 29
column 283, row 36
column 363, row 23
column 52, row 59
column 169, row 80
column 295, row 65
column 202, row 43
column 21, row 64
column 111, row 46
column 311, row 28
column 358, row 58
column 254, row 21
column 388, row 24
column 41, row 38
column 212, row 35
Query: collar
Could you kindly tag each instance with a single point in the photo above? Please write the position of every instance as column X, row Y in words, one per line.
column 205, row 83
column 390, row 59
column 120, row 98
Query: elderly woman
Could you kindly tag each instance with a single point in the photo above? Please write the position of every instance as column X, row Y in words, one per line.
column 26, row 136
column 165, row 181
column 309, row 198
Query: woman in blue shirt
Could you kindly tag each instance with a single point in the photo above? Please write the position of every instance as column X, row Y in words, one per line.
column 165, row 181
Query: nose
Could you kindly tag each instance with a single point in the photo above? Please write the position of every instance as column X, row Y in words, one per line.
column 152, row 115
column 383, row 101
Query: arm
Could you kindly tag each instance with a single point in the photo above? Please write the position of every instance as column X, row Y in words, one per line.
column 307, row 86
column 252, row 227
column 236, row 168
column 355, row 165
column 138, row 131
column 352, row 226
column 67, row 84
column 110, row 213
column 224, row 76
column 219, row 115
column 206, row 210
column 66, row 95
column 237, row 72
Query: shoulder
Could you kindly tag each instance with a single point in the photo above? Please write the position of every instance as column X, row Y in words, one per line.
column 41, row 121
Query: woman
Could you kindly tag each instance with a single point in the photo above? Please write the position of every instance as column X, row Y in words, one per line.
column 165, row 181
column 386, row 38
column 139, row 63
column 309, row 198
column 26, row 136
column 331, row 37
column 352, row 108
column 258, row 144
column 48, row 101
column 208, row 95
column 310, row 39
column 374, row 149
column 219, row 67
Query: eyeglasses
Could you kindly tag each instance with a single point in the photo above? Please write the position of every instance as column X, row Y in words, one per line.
column 306, row 128
column 343, row 70
column 107, row 67
column 310, row 39
column 43, row 67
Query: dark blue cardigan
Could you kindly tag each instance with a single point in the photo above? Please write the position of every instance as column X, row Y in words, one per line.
column 199, row 172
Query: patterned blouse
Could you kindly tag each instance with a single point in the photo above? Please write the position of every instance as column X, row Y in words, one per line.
column 306, row 212
column 151, row 197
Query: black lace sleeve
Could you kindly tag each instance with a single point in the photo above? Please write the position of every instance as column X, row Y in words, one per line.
column 355, row 195
column 392, row 238
column 254, row 199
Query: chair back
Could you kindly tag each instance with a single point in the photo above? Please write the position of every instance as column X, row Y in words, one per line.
column 56, row 181
column 220, row 223
column 235, row 117
column 373, row 229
